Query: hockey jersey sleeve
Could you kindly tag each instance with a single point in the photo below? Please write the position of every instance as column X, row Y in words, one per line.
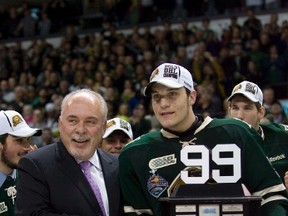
column 134, row 194
column 261, row 179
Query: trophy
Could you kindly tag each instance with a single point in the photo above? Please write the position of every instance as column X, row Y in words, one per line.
column 206, row 189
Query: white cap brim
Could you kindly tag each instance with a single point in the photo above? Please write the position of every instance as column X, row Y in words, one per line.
column 165, row 82
column 247, row 95
column 108, row 132
column 26, row 132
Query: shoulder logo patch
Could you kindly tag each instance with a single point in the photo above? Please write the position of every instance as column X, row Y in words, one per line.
column 161, row 162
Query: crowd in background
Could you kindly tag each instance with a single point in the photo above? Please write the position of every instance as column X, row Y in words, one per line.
column 35, row 80
column 48, row 17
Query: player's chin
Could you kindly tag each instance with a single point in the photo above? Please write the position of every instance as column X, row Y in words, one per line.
column 167, row 125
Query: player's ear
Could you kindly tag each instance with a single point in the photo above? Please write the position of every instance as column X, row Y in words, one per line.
column 261, row 112
column 192, row 96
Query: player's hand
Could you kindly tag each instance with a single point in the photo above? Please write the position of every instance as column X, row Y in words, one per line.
column 286, row 180
column 33, row 147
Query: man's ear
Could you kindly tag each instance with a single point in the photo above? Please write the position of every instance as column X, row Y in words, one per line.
column 104, row 127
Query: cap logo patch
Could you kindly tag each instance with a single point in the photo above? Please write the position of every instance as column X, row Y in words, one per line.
column 16, row 120
column 154, row 74
column 170, row 71
column 237, row 87
column 110, row 124
column 124, row 125
column 251, row 88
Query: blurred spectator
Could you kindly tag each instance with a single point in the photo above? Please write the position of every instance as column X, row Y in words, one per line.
column 110, row 11
column 140, row 124
column 3, row 16
column 254, row 74
column 38, row 122
column 265, row 42
column 179, row 11
column 123, row 111
column 277, row 114
column 47, row 136
column 44, row 24
column 10, row 25
column 63, row 87
column 252, row 22
column 106, row 83
column 210, row 8
column 134, row 14
column 191, row 46
column 59, row 12
column 274, row 27
column 269, row 98
column 111, row 96
column 119, row 77
column 31, row 94
column 79, row 80
column 274, row 67
column 19, row 101
column 70, row 35
column 28, row 113
column 150, row 115
column 42, row 99
column 240, row 61
column 129, row 95
column 27, row 25
column 234, row 24
column 7, row 93
column 66, row 72
column 207, row 70
column 255, row 54
column 51, row 117
column 208, row 103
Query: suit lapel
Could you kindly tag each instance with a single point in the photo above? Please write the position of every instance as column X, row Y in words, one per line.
column 108, row 168
column 72, row 170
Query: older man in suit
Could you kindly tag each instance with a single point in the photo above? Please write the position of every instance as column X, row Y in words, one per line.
column 52, row 180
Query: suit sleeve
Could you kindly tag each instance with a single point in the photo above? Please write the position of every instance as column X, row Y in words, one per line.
column 32, row 191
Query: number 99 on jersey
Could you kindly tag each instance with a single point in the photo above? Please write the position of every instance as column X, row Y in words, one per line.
column 200, row 156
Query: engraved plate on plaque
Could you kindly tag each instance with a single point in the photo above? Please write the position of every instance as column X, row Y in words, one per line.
column 232, row 214
column 185, row 208
column 232, row 208
column 191, row 215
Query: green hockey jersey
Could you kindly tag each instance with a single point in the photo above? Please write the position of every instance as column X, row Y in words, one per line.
column 220, row 150
column 7, row 197
column 275, row 146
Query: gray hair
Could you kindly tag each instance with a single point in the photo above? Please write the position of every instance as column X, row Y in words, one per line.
column 94, row 94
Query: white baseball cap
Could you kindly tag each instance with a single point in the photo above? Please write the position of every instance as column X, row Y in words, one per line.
column 118, row 124
column 249, row 90
column 170, row 75
column 11, row 122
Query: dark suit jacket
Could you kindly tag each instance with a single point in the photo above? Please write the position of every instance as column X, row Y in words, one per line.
column 52, row 183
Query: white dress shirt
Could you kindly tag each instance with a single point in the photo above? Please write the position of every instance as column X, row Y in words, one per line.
column 97, row 174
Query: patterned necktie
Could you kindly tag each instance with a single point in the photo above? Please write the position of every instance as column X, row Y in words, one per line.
column 85, row 165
